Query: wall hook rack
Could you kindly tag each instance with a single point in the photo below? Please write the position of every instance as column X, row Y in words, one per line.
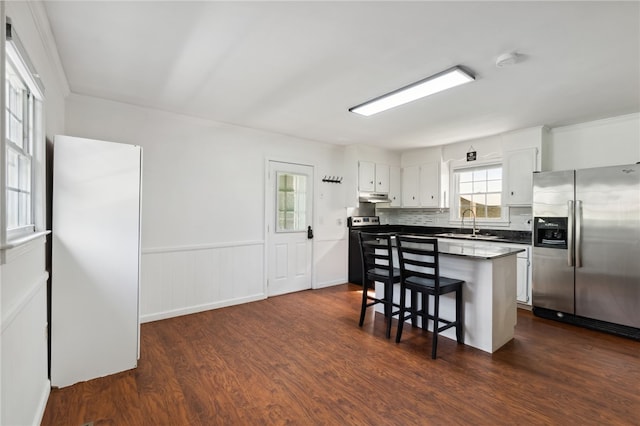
column 332, row 179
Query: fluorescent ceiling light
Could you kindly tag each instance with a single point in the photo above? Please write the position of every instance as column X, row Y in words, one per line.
column 436, row 83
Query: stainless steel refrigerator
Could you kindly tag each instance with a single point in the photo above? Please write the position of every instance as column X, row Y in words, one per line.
column 586, row 247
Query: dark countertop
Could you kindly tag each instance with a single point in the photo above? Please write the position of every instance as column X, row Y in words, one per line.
column 464, row 248
column 503, row 235
column 475, row 249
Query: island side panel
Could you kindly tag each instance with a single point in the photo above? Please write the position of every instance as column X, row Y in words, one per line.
column 489, row 299
column 477, row 299
column 505, row 306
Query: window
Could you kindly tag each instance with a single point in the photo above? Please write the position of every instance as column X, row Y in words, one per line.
column 478, row 189
column 22, row 139
column 19, row 106
column 292, row 202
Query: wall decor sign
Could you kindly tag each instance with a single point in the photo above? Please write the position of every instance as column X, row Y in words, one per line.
column 471, row 154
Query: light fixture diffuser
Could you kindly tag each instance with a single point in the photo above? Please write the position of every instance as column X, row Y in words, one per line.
column 436, row 83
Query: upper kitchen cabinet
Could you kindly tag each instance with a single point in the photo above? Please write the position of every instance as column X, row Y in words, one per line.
column 430, row 184
column 519, row 166
column 425, row 185
column 425, row 178
column 368, row 170
column 395, row 187
column 521, row 158
column 373, row 177
column 411, row 186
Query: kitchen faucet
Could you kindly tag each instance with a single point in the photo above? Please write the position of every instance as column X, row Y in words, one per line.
column 474, row 221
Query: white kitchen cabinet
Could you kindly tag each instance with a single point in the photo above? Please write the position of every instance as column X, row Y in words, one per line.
column 424, row 186
column 411, row 186
column 519, row 166
column 382, row 183
column 523, row 294
column 366, row 176
column 523, row 291
column 373, row 177
column 395, row 186
column 430, row 185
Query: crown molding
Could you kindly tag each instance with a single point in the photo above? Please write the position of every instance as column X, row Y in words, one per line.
column 41, row 20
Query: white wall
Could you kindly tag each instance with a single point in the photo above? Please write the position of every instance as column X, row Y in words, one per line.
column 23, row 298
column 608, row 142
column 203, row 225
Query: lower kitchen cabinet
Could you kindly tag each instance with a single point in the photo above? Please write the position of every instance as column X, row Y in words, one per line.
column 523, row 292
column 523, row 272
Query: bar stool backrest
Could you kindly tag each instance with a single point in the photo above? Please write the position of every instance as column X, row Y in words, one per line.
column 418, row 257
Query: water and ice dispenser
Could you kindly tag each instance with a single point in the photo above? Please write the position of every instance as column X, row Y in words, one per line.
column 550, row 232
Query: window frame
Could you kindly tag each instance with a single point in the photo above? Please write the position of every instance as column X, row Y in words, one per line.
column 454, row 202
column 14, row 53
column 24, row 152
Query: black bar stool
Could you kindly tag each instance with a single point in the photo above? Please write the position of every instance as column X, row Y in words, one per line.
column 420, row 271
column 377, row 265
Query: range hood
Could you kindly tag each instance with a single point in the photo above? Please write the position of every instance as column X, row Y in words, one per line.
column 373, row 197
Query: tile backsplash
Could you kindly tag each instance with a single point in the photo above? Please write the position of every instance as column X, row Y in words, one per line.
column 519, row 218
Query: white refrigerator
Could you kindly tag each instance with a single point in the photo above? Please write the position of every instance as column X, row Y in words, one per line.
column 95, row 259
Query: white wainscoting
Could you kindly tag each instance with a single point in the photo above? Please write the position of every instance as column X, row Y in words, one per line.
column 188, row 279
column 331, row 258
column 24, row 385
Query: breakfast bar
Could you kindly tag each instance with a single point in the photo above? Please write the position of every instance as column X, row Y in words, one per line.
column 489, row 292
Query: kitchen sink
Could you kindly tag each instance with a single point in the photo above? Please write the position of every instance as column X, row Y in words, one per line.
column 468, row 236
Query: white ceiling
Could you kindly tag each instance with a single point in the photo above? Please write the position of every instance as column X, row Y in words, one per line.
column 296, row 67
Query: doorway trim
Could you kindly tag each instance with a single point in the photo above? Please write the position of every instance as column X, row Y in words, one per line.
column 268, row 204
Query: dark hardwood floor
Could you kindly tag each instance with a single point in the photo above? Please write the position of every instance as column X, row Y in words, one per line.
column 302, row 359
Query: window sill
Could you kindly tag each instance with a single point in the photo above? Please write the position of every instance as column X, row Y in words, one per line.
column 16, row 242
column 17, row 246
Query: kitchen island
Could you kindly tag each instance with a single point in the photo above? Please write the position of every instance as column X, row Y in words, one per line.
column 489, row 292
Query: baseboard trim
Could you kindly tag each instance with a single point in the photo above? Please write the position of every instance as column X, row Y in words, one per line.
column 330, row 283
column 200, row 308
column 39, row 414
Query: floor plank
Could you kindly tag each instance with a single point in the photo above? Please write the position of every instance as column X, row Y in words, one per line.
column 301, row 359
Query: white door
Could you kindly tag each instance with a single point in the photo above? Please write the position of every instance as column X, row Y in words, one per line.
column 289, row 218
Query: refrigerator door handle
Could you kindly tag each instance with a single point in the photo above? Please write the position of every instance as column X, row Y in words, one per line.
column 578, row 233
column 570, row 233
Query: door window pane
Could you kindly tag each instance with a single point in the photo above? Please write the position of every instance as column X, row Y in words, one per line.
column 291, row 202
